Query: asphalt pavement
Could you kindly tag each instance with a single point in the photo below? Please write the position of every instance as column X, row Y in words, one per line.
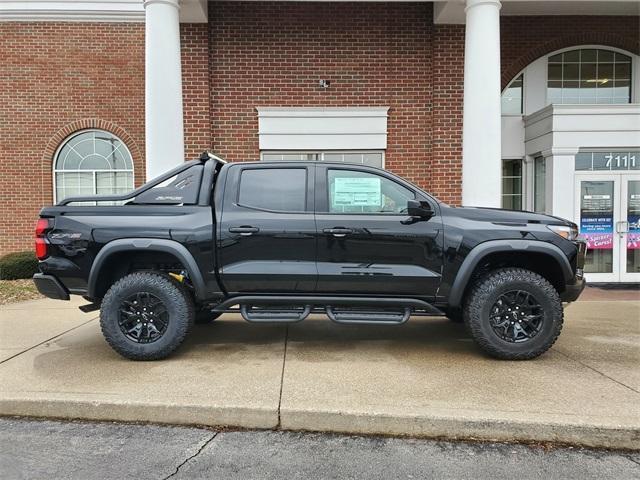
column 82, row 450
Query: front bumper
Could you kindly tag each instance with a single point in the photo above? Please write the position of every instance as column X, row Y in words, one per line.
column 50, row 286
column 573, row 291
column 574, row 288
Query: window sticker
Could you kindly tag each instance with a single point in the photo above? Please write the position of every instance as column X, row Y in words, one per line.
column 596, row 221
column 357, row 192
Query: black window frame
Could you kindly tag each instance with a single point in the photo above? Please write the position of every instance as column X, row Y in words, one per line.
column 322, row 190
column 308, row 196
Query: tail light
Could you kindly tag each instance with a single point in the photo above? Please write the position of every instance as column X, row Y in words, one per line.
column 42, row 247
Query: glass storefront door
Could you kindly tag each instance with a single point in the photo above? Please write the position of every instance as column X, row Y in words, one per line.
column 608, row 213
column 628, row 228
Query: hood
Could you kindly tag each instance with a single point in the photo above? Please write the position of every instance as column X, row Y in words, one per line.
column 503, row 216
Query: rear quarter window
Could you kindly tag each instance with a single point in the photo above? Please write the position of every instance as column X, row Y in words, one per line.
column 277, row 189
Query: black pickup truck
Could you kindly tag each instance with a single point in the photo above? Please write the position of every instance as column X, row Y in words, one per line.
column 279, row 241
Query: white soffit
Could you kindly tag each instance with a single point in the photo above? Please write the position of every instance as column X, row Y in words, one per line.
column 319, row 128
column 191, row 11
column 452, row 11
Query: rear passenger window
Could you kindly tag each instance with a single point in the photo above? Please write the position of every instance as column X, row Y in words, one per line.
column 280, row 189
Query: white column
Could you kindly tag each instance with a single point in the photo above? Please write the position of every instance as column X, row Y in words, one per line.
column 481, row 144
column 164, row 131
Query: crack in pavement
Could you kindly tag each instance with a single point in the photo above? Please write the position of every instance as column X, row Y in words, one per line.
column 284, row 360
column 47, row 340
column 191, row 457
column 596, row 370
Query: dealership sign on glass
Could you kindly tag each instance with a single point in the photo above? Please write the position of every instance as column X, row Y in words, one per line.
column 596, row 221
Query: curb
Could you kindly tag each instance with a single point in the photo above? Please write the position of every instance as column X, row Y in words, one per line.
column 450, row 428
column 138, row 412
column 441, row 427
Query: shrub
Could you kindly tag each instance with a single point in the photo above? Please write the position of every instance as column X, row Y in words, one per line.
column 18, row 265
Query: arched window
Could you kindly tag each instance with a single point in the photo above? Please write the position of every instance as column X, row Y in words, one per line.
column 589, row 75
column 92, row 162
column 512, row 97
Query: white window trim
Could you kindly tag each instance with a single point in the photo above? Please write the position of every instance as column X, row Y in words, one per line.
column 322, row 128
column 54, row 170
column 321, row 154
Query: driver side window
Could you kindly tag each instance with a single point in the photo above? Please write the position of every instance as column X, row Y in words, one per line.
column 352, row 191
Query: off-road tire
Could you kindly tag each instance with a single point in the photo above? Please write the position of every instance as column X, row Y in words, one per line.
column 486, row 292
column 177, row 301
column 205, row 316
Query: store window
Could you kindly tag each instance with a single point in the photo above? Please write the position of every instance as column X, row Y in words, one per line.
column 539, row 184
column 589, row 76
column 512, row 97
column 358, row 157
column 512, row 184
column 92, row 162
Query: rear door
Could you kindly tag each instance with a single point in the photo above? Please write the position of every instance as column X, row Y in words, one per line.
column 365, row 244
column 266, row 236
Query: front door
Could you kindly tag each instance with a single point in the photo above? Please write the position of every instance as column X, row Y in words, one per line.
column 365, row 244
column 608, row 212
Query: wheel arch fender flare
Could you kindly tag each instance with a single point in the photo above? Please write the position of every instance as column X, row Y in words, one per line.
column 479, row 252
column 149, row 245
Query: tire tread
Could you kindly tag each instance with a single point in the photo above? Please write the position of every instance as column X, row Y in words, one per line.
column 476, row 300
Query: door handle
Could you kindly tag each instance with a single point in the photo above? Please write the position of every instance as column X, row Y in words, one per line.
column 244, row 230
column 622, row 226
column 338, row 232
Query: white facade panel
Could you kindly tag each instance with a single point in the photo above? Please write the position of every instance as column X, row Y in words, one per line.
column 362, row 128
column 512, row 136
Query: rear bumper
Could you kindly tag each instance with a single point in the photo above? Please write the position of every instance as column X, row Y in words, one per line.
column 50, row 286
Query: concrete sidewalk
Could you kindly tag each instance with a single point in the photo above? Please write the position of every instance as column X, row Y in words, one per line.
column 425, row 378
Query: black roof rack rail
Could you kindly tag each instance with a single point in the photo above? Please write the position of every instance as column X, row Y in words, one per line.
column 204, row 157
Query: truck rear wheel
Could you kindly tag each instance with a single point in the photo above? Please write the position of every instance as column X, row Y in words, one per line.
column 514, row 314
column 146, row 316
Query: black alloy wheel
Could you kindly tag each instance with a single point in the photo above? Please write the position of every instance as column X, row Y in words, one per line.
column 516, row 316
column 143, row 317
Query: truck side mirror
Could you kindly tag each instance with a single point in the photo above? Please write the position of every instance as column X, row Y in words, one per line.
column 419, row 209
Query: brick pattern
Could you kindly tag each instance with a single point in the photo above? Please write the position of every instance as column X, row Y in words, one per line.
column 447, row 84
column 57, row 78
column 525, row 39
column 194, row 47
column 274, row 54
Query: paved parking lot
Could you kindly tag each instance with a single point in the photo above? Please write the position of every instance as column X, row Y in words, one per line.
column 101, row 451
column 425, row 378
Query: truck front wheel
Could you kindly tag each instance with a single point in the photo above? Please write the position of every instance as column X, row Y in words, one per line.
column 146, row 316
column 514, row 314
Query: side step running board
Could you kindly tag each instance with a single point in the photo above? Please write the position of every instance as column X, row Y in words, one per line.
column 268, row 315
column 368, row 318
column 343, row 310
column 322, row 301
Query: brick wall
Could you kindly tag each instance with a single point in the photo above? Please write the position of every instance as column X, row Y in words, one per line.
column 54, row 78
column 57, row 78
column 194, row 47
column 273, row 54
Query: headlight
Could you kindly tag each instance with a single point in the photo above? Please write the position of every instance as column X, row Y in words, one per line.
column 570, row 233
